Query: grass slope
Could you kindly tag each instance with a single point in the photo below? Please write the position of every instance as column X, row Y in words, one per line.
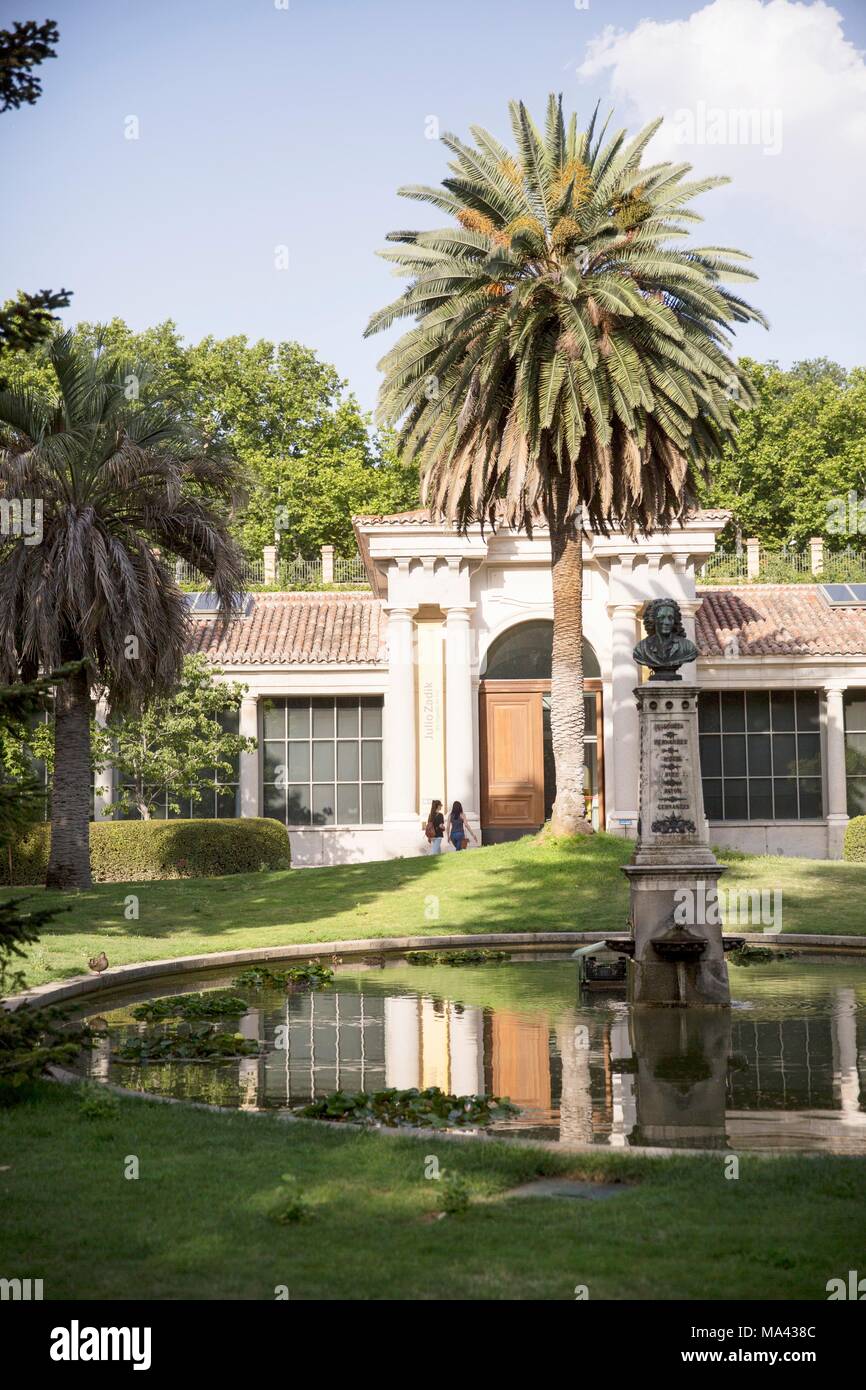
column 534, row 884
column 195, row 1224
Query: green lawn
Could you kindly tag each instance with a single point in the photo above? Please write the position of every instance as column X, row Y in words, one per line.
column 531, row 884
column 196, row 1223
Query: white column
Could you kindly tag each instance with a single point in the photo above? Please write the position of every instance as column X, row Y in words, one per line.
column 250, row 762
column 837, row 788
column 400, row 737
column 688, row 609
column 626, row 736
column 459, row 760
column 104, row 780
column 327, row 564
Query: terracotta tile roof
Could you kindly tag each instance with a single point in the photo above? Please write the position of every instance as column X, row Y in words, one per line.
column 778, row 620
column 329, row 629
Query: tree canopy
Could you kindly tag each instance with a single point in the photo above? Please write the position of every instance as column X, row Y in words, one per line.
column 796, row 456
column 310, row 456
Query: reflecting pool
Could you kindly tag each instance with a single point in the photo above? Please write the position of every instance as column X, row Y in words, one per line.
column 783, row 1069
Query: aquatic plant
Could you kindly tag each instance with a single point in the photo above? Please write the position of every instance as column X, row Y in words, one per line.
column 309, row 975
column 201, row 1043
column 432, row 1108
column 477, row 956
column 212, row 1004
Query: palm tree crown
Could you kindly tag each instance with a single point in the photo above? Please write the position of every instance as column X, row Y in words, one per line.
column 565, row 353
column 119, row 484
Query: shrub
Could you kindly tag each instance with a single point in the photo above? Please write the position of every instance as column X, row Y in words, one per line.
column 855, row 840
column 132, row 851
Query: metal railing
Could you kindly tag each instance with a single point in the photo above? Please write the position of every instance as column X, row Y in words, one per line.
column 185, row 573
column 786, row 567
column 724, row 567
column 349, row 569
column 846, row 566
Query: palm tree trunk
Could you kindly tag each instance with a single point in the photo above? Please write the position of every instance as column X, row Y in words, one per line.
column 69, row 863
column 566, row 685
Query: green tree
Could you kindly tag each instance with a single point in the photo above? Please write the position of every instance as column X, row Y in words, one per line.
column 118, row 482
column 311, row 457
column 568, row 366
column 787, row 473
column 178, row 745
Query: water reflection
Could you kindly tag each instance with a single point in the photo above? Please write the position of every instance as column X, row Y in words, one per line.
column 782, row 1069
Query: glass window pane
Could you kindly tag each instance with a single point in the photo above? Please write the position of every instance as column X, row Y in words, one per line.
column 348, row 804
column 809, row 754
column 733, row 711
column 759, row 755
column 785, row 798
column 299, row 762
column 711, row 755
column 810, row 798
column 274, row 718
column 347, row 718
column 760, row 798
column 323, row 805
column 229, row 802
column 713, row 798
column 807, row 709
column 855, row 710
column 371, row 717
column 734, row 754
column 298, row 804
column 857, row 796
column 323, row 762
column 299, row 719
column 757, row 711
column 855, row 752
column 784, row 755
column 371, row 760
column 203, row 809
column 709, row 720
column 274, row 801
column 589, row 714
column 371, row 802
column 783, row 709
column 274, row 758
column 736, row 805
column 323, row 719
column 347, row 762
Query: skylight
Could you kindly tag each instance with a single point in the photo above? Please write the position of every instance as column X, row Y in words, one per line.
column 845, row 595
column 206, row 604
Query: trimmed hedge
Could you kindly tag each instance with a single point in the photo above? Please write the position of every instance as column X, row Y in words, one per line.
column 855, row 840
column 133, row 851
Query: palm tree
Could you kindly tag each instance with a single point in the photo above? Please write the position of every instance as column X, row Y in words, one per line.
column 568, row 366
column 119, row 483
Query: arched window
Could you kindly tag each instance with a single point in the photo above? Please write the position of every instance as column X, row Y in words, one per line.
column 525, row 652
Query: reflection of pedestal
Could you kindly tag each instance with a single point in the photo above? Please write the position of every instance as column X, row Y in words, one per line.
column 682, row 1061
column 673, row 873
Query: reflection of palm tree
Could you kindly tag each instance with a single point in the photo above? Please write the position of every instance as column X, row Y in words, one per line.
column 575, row 1101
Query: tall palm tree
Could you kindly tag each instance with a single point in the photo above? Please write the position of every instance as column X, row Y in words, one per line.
column 568, row 365
column 119, row 483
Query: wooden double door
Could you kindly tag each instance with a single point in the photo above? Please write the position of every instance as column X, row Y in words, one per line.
column 518, row 776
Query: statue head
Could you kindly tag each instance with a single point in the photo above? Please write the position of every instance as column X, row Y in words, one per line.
column 662, row 616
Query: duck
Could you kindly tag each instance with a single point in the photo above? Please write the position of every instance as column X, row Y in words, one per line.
column 98, row 963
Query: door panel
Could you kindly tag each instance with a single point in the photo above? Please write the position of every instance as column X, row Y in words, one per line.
column 512, row 759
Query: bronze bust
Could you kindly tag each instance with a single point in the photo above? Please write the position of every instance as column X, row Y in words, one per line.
column 666, row 646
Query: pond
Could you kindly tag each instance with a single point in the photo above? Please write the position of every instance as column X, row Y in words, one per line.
column 781, row 1070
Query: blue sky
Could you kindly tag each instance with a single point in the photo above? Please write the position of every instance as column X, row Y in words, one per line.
column 263, row 127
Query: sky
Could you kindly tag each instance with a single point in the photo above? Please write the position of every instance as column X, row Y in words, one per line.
column 233, row 164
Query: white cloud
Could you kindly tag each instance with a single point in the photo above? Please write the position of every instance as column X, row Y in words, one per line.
column 767, row 91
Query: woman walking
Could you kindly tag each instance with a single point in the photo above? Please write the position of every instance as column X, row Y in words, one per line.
column 459, row 828
column 435, row 827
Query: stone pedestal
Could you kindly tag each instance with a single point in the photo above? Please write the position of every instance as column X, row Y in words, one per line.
column 681, row 1076
column 678, row 956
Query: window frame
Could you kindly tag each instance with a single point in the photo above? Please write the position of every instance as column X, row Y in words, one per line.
column 719, row 735
column 356, row 700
